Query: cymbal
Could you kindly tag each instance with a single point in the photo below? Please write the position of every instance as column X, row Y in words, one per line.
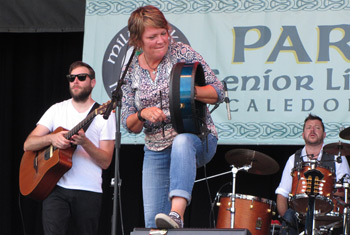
column 261, row 163
column 336, row 148
column 345, row 134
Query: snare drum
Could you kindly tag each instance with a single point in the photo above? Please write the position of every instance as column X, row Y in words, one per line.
column 334, row 217
column 323, row 188
column 253, row 213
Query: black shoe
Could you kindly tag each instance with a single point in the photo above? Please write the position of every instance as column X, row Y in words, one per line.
column 173, row 220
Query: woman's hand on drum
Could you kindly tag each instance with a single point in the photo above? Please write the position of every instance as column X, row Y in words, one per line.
column 153, row 114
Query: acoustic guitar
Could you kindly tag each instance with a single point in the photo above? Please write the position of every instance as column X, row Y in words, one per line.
column 40, row 170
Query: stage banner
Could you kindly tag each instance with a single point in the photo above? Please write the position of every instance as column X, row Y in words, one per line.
column 281, row 60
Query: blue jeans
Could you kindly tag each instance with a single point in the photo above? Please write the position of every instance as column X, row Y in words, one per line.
column 172, row 172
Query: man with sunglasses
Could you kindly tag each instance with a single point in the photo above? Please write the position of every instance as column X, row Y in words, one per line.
column 77, row 196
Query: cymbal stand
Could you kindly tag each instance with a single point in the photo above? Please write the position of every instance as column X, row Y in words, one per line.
column 346, row 192
column 346, row 207
column 233, row 195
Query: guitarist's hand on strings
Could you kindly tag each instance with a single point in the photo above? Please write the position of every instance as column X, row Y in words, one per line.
column 59, row 140
column 79, row 138
column 101, row 155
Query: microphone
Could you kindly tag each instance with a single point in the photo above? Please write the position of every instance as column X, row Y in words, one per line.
column 109, row 109
column 299, row 165
column 344, row 177
column 227, row 101
column 117, row 93
column 339, row 160
column 311, row 156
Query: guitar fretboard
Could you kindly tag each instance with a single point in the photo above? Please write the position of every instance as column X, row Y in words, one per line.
column 80, row 125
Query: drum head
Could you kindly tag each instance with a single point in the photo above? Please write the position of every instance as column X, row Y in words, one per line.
column 315, row 182
column 300, row 203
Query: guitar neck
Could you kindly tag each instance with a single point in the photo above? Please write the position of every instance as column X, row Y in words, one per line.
column 81, row 124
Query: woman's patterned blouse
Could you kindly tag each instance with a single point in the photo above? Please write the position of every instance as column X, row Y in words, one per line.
column 140, row 91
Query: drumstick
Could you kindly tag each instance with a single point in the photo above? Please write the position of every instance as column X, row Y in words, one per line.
column 161, row 107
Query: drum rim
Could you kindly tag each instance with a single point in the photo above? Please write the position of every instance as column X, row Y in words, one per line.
column 308, row 164
column 304, row 195
column 293, row 200
column 248, row 197
column 198, row 109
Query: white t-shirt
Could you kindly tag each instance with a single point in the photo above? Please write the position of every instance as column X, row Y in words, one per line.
column 285, row 186
column 84, row 174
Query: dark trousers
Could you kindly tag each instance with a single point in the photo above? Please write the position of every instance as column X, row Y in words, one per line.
column 289, row 223
column 67, row 209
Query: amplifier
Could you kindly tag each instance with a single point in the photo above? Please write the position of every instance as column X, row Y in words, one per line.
column 189, row 231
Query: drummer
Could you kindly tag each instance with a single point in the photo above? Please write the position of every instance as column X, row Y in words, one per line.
column 170, row 159
column 313, row 135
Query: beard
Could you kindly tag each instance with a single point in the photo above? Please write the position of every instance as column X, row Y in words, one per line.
column 315, row 142
column 82, row 96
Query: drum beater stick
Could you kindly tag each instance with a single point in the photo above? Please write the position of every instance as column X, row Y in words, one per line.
column 161, row 107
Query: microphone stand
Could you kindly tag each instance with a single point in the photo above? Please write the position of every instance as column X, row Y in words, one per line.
column 117, row 95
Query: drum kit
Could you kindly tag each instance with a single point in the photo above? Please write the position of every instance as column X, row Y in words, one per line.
column 320, row 202
column 315, row 194
column 246, row 211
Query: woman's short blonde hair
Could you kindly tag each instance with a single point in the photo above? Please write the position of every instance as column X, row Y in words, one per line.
column 142, row 17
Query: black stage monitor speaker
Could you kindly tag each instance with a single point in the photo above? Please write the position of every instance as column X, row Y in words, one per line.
column 188, row 231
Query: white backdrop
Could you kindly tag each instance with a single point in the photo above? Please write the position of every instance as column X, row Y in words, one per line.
column 281, row 60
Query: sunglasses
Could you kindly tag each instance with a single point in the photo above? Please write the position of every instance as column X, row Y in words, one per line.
column 81, row 77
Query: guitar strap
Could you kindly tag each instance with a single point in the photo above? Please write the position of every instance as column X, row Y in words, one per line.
column 95, row 106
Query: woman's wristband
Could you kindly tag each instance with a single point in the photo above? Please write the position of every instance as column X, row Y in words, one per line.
column 139, row 116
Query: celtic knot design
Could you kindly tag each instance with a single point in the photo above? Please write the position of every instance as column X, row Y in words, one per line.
column 253, row 130
column 125, row 7
column 275, row 130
